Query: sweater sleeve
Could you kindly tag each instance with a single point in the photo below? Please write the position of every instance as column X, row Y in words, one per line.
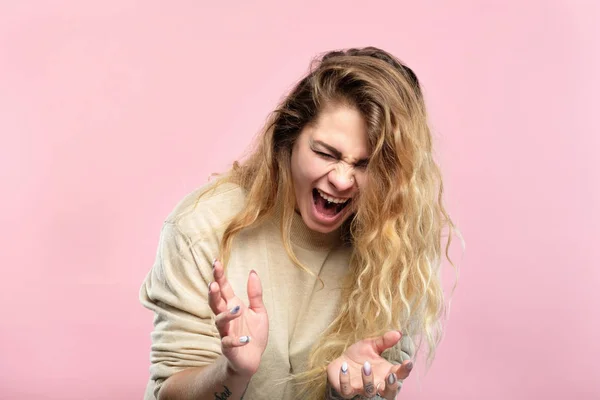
column 404, row 350
column 176, row 290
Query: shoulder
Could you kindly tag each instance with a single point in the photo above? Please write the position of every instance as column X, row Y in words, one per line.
column 211, row 207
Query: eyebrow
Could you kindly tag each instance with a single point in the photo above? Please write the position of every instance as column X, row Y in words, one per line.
column 335, row 151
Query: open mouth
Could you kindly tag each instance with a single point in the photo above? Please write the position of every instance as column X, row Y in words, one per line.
column 328, row 206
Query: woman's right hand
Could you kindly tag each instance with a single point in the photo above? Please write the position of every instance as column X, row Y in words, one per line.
column 244, row 329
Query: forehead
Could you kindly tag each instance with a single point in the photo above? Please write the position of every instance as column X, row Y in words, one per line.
column 342, row 127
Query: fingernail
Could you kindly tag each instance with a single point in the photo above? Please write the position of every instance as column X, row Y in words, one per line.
column 244, row 339
column 209, row 286
column 253, row 272
column 391, row 378
column 409, row 366
column 235, row 310
column 213, row 263
column 344, row 367
column 367, row 368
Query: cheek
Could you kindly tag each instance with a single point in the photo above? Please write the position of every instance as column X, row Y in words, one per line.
column 301, row 174
column 362, row 180
column 314, row 171
column 296, row 167
column 311, row 168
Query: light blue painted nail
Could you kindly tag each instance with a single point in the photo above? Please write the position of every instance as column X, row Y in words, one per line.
column 235, row 310
column 367, row 368
column 245, row 339
column 391, row 378
column 344, row 367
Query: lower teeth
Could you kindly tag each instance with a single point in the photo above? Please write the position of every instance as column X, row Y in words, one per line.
column 329, row 205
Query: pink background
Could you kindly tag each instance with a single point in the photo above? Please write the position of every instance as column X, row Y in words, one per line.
column 111, row 111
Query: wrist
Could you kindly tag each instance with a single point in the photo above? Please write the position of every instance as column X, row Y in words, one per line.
column 237, row 375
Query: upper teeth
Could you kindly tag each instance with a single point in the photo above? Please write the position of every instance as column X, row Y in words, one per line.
column 332, row 199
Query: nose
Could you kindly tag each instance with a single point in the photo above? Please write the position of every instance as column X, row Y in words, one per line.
column 341, row 178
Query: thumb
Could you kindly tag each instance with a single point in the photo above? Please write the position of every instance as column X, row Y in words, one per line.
column 389, row 339
column 255, row 293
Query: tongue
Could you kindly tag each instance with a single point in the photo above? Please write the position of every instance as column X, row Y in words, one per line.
column 325, row 207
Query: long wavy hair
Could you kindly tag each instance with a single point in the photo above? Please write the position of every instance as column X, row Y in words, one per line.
column 396, row 232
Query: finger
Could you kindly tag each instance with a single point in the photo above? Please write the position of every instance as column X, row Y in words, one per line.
column 386, row 341
column 346, row 389
column 234, row 341
column 215, row 300
column 221, row 279
column 367, row 378
column 222, row 320
column 255, row 292
column 404, row 371
column 392, row 386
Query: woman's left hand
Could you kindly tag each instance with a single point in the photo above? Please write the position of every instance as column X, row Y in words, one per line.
column 362, row 371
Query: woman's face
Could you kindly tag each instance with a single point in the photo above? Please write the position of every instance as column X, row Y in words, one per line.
column 329, row 161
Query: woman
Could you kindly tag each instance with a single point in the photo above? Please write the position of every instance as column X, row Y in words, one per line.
column 332, row 231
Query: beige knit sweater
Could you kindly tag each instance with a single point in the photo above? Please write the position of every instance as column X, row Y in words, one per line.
column 176, row 290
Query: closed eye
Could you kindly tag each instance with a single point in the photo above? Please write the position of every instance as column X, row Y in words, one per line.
column 324, row 155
